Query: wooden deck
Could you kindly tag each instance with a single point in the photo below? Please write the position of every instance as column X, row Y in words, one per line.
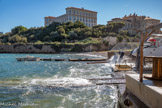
column 122, row 67
column 157, row 68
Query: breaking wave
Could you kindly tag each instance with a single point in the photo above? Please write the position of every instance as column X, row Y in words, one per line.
column 59, row 82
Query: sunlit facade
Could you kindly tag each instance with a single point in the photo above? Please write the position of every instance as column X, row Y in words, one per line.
column 133, row 22
column 88, row 17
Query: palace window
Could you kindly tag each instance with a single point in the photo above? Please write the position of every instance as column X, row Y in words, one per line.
column 70, row 17
column 91, row 15
column 80, row 18
column 91, row 20
column 47, row 20
column 74, row 17
column 69, row 11
column 81, row 13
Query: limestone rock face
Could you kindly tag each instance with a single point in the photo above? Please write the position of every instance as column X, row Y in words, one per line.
column 112, row 40
column 21, row 48
column 32, row 48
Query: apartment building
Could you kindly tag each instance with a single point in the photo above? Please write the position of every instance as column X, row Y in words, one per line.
column 134, row 22
column 88, row 17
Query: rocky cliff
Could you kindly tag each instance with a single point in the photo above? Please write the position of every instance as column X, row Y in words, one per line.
column 42, row 48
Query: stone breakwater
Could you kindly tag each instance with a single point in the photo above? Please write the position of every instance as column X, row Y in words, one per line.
column 43, row 48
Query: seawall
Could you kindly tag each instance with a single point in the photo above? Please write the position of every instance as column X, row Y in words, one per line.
column 50, row 48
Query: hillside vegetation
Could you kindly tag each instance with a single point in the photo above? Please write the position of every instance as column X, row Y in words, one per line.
column 66, row 33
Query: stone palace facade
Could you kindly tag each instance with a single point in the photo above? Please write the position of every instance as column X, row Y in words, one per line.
column 134, row 22
column 88, row 17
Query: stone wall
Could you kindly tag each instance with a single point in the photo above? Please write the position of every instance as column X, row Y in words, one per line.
column 30, row 48
column 21, row 48
column 125, row 46
column 112, row 40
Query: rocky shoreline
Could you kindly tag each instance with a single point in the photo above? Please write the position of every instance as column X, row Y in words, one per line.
column 50, row 48
column 54, row 49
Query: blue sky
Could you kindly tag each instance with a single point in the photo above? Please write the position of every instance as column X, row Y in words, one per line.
column 31, row 13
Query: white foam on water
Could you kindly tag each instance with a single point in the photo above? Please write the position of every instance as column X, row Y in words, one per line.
column 90, row 55
column 78, row 71
column 102, row 96
column 73, row 71
column 116, row 60
column 60, row 82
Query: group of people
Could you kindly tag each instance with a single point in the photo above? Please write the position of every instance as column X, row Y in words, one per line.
column 118, row 57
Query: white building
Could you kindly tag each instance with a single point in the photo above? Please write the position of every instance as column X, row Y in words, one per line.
column 88, row 17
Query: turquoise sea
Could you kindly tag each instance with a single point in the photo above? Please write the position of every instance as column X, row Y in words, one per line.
column 54, row 84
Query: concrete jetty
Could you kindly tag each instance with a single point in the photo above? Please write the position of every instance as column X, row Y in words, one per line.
column 149, row 91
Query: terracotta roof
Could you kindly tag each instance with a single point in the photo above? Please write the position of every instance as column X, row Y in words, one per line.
column 80, row 9
column 50, row 17
column 148, row 18
column 127, row 17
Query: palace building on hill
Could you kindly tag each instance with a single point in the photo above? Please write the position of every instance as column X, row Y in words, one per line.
column 134, row 22
column 88, row 17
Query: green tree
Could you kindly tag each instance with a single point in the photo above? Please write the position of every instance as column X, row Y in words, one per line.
column 123, row 32
column 61, row 30
column 85, row 33
column 114, row 26
column 56, row 36
column 24, row 40
column 17, row 39
column 73, row 35
column 79, row 24
column 77, row 31
column 14, row 39
column 47, row 39
column 98, row 30
column 18, row 29
column 120, row 38
column 69, row 26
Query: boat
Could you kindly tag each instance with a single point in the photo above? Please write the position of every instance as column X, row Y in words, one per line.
column 152, row 47
column 28, row 58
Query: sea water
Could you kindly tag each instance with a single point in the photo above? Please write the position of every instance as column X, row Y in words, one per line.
column 54, row 84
